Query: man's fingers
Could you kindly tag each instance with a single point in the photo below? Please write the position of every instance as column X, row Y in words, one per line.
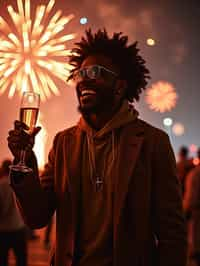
column 14, row 132
column 18, row 125
column 17, row 133
column 35, row 131
column 18, row 139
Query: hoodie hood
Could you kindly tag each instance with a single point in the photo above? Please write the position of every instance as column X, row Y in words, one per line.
column 102, row 146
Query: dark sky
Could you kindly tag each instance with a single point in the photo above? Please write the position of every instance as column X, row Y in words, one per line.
column 175, row 58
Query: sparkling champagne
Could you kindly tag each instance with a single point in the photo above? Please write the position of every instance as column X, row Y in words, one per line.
column 29, row 115
column 29, row 109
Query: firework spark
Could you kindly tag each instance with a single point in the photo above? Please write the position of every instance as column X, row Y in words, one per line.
column 161, row 97
column 34, row 53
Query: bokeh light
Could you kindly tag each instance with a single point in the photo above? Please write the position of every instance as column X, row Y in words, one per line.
column 161, row 96
column 193, row 148
column 167, row 122
column 196, row 161
column 178, row 129
column 33, row 51
column 83, row 20
column 151, row 42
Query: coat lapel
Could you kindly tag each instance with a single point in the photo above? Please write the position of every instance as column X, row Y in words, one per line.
column 75, row 163
column 69, row 188
column 130, row 145
column 71, row 193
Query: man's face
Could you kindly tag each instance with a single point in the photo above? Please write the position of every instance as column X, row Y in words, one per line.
column 96, row 95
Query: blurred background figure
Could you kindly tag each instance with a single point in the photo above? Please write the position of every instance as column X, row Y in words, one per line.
column 191, row 205
column 12, row 228
column 198, row 156
column 47, row 234
column 31, row 235
column 184, row 165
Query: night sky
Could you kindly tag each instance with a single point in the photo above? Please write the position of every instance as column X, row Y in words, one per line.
column 174, row 25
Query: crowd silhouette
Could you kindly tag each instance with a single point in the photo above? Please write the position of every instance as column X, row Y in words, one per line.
column 188, row 171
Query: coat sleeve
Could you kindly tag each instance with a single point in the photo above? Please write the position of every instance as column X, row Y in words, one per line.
column 36, row 196
column 169, row 221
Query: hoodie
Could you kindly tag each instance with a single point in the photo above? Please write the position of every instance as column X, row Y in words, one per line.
column 100, row 158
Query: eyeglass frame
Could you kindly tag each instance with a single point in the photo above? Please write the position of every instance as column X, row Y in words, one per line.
column 89, row 67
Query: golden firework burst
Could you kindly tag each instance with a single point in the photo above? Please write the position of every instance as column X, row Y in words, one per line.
column 161, row 96
column 33, row 52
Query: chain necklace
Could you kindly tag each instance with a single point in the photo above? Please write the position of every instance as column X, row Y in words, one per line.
column 96, row 178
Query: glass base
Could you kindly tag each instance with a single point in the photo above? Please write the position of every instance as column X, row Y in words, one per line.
column 20, row 168
column 17, row 173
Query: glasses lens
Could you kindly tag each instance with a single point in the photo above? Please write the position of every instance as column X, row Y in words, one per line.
column 93, row 72
column 82, row 73
column 79, row 75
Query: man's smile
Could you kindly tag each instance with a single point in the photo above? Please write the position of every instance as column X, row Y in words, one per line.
column 86, row 92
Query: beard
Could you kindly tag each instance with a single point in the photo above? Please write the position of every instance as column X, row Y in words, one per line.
column 101, row 102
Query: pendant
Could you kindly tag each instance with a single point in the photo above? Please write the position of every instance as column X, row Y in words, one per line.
column 99, row 183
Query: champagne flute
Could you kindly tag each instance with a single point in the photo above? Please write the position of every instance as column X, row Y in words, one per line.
column 29, row 109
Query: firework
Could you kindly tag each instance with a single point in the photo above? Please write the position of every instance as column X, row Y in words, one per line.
column 161, row 97
column 33, row 51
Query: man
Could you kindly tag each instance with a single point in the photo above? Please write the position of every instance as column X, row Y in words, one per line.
column 191, row 205
column 112, row 177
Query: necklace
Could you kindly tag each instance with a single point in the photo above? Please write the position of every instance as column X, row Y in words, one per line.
column 96, row 178
column 98, row 183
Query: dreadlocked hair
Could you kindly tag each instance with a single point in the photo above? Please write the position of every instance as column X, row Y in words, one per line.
column 131, row 64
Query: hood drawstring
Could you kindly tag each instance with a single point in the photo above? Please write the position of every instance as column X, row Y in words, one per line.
column 113, row 146
column 92, row 163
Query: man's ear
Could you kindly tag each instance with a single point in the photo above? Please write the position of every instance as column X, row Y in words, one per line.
column 121, row 87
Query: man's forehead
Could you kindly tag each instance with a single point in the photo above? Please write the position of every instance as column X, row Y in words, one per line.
column 99, row 60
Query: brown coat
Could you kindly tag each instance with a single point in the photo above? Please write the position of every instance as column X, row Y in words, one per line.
column 147, row 204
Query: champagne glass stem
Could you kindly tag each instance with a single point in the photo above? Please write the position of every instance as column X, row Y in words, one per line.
column 22, row 157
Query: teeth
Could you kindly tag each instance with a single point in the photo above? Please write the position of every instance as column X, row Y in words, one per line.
column 84, row 92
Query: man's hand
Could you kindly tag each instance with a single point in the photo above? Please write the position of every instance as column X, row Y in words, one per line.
column 18, row 139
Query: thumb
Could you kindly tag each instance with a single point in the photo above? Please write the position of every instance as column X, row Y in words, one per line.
column 35, row 131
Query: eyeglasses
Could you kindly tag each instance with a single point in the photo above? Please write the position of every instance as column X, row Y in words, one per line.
column 93, row 72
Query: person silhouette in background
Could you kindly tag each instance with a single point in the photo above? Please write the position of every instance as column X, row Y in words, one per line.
column 184, row 165
column 12, row 228
column 47, row 234
column 191, row 206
